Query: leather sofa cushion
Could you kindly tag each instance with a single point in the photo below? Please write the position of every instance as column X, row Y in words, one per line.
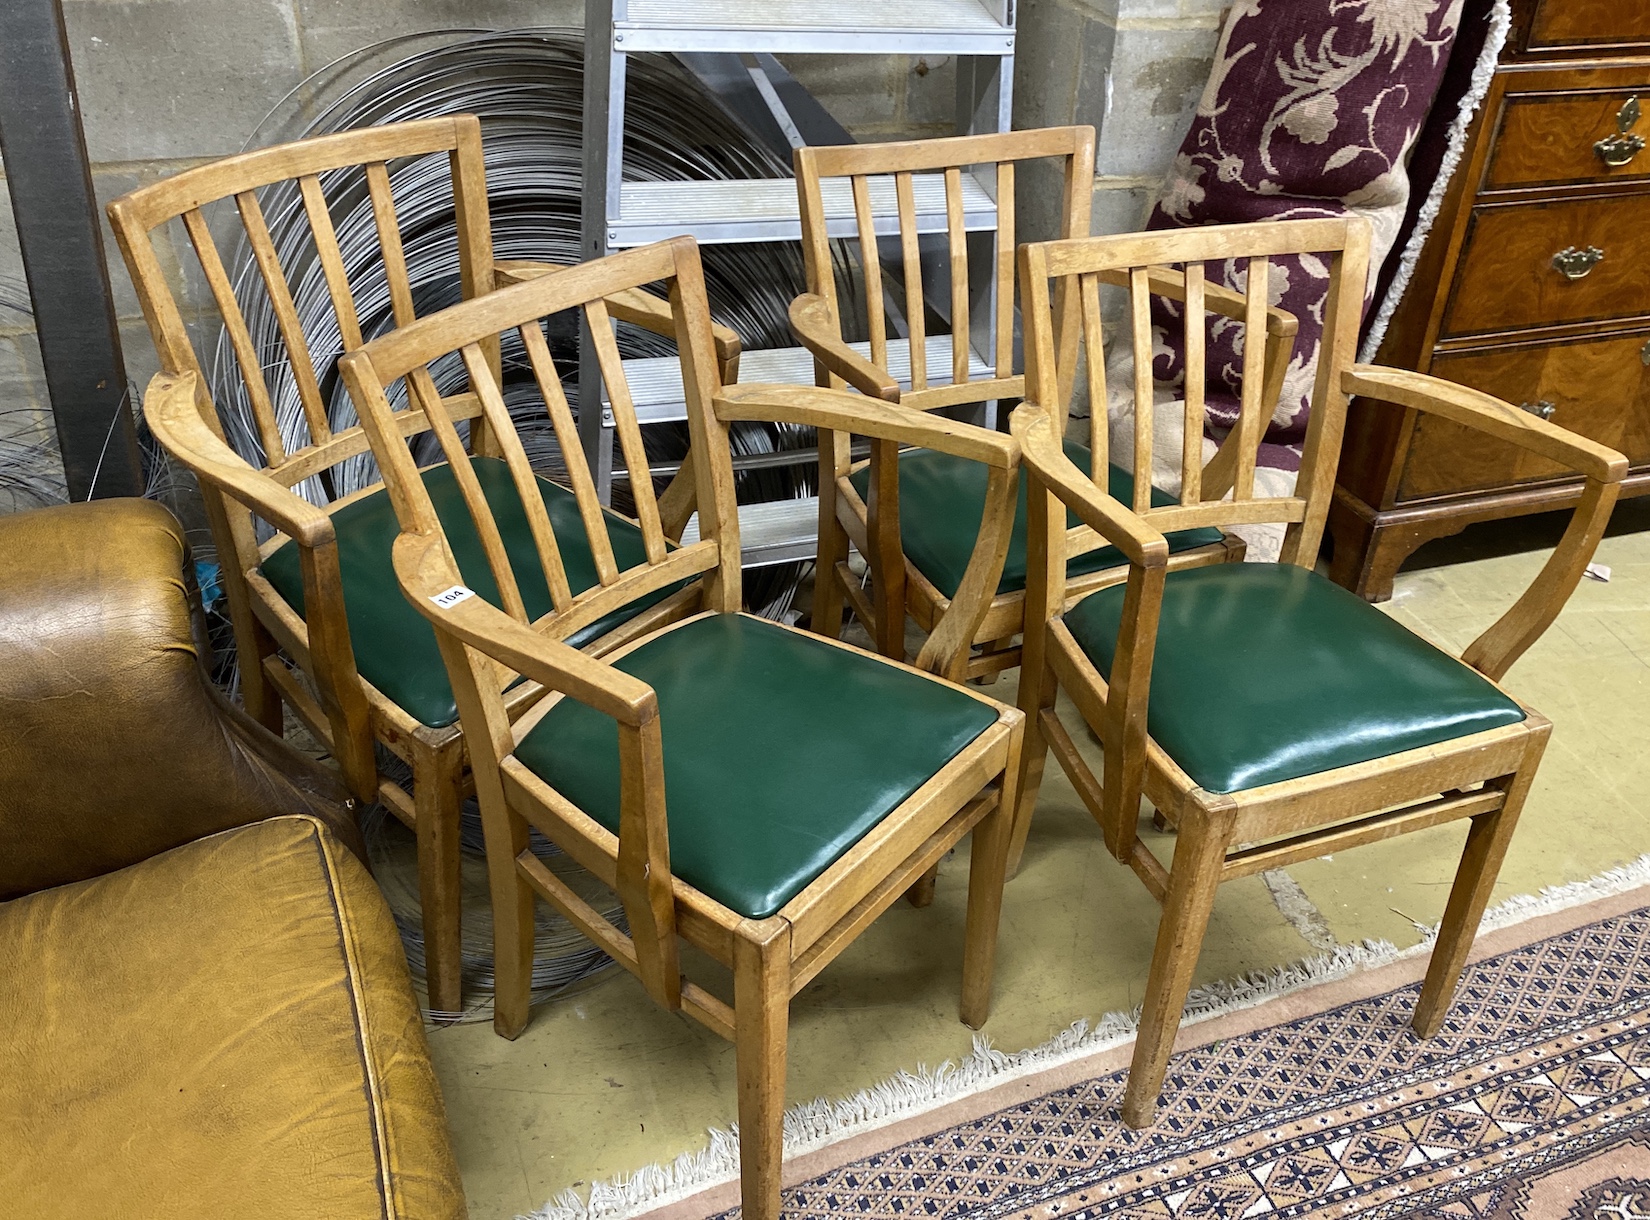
column 395, row 646
column 1268, row 672
column 942, row 502
column 226, row 1029
column 780, row 751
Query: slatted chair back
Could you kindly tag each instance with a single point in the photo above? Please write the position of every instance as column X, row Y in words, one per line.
column 466, row 333
column 479, row 679
column 1172, row 264
column 281, row 182
column 897, row 190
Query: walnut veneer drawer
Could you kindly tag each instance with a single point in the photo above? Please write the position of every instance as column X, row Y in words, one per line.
column 1597, row 387
column 1579, row 136
column 1506, row 278
column 1558, row 24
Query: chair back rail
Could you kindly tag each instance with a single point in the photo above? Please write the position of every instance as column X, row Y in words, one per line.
column 482, row 660
column 882, row 178
column 1149, row 263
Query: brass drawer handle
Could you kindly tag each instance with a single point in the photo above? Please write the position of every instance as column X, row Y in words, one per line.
column 1542, row 409
column 1628, row 114
column 1618, row 150
column 1577, row 264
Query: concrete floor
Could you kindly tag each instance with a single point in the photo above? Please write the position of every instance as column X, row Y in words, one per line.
column 604, row 1082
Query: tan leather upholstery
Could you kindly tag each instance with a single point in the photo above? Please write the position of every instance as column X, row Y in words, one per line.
column 113, row 744
column 222, row 1029
column 226, row 1030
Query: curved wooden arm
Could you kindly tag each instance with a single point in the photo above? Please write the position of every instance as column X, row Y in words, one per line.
column 1510, row 635
column 636, row 306
column 1169, row 283
column 811, row 324
column 838, row 410
column 424, row 570
column 1043, row 454
column 169, row 406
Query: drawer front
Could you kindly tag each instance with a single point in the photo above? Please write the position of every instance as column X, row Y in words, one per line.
column 1599, row 388
column 1506, row 278
column 1549, row 139
column 1589, row 23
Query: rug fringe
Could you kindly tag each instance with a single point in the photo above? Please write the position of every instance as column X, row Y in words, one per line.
column 814, row 1124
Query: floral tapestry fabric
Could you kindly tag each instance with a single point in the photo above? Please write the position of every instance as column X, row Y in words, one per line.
column 1311, row 110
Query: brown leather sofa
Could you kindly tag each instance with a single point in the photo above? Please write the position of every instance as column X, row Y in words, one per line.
column 204, row 1007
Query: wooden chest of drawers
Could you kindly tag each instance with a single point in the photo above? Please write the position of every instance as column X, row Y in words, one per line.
column 1534, row 285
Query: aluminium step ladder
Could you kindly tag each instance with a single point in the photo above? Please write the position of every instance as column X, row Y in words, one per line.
column 617, row 214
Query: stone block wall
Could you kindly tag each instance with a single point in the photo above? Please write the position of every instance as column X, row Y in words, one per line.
column 165, row 84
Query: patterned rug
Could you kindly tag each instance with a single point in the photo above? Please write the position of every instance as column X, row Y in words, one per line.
column 1530, row 1105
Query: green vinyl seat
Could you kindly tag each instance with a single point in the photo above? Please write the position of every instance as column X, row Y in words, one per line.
column 394, row 645
column 781, row 751
column 942, row 502
column 1268, row 672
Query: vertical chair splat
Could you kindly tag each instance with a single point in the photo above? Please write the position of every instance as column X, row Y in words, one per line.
column 630, row 433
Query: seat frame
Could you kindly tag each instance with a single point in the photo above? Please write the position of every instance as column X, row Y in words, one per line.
column 306, row 661
column 871, row 524
column 1483, row 776
column 486, row 647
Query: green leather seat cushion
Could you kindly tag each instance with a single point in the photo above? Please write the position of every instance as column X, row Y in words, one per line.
column 1267, row 672
column 942, row 502
column 781, row 752
column 394, row 644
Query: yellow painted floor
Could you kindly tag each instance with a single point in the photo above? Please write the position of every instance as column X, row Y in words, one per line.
column 604, row 1082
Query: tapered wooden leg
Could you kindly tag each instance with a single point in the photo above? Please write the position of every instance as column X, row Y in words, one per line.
column 1193, row 880
column 1487, row 841
column 437, row 799
column 1037, row 694
column 506, row 835
column 987, row 871
column 259, row 695
column 761, row 1015
column 921, row 893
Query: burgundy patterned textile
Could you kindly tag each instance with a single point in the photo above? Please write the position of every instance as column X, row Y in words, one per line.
column 1311, row 110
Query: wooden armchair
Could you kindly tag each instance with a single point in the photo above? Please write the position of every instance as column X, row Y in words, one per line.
column 754, row 790
column 1269, row 714
column 917, row 532
column 318, row 621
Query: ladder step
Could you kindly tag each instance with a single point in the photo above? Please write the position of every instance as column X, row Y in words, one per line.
column 767, row 209
column 910, row 27
column 776, row 531
column 656, row 382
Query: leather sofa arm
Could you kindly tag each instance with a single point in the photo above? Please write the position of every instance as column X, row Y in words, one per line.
column 115, row 744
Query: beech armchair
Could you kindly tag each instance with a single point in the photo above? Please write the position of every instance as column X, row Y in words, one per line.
column 917, row 529
column 1269, row 714
column 319, row 624
column 748, row 788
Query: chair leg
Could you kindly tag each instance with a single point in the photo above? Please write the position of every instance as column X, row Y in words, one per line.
column 921, row 893
column 437, row 798
column 1037, row 694
column 1193, row 880
column 506, row 835
column 761, row 1016
column 1487, row 841
column 987, row 871
column 258, row 694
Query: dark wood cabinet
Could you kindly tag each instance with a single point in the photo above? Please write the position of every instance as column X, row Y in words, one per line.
column 1534, row 286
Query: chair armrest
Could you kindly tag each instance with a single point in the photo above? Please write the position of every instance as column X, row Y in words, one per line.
column 636, row 306
column 1166, row 282
column 425, row 570
column 1044, row 456
column 890, row 424
column 174, row 417
column 838, row 410
column 1493, row 652
column 811, row 324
